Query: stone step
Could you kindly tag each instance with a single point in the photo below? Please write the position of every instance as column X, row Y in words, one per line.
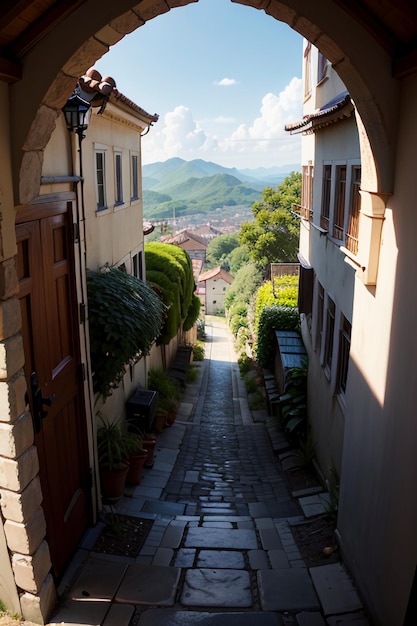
column 160, row 617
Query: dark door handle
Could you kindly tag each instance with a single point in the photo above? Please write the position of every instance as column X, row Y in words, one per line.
column 39, row 402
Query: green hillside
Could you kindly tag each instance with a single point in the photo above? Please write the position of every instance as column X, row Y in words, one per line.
column 198, row 195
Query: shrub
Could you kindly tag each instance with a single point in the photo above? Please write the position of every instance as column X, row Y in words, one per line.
column 244, row 363
column 250, row 385
column 243, row 338
column 245, row 284
column 125, row 318
column 198, row 352
column 193, row 312
column 273, row 318
column 169, row 270
column 168, row 392
column 294, row 402
column 283, row 293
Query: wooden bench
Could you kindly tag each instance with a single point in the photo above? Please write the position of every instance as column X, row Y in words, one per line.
column 179, row 367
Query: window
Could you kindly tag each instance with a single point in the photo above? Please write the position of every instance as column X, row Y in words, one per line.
column 343, row 358
column 134, row 195
column 329, row 338
column 325, row 200
column 352, row 234
column 339, row 205
column 100, row 179
column 137, row 265
column 305, row 287
column 119, row 180
column 322, row 64
column 307, row 71
column 307, row 192
column 319, row 317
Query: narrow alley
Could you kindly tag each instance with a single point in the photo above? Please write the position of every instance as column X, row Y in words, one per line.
column 219, row 551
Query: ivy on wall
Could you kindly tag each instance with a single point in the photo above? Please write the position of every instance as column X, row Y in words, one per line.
column 125, row 318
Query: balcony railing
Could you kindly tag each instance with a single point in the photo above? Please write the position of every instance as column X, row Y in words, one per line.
column 301, row 211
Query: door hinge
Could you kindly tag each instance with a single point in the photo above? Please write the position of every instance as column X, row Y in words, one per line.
column 76, row 232
column 82, row 313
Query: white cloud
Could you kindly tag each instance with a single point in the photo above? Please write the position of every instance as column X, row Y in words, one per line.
column 264, row 142
column 176, row 135
column 226, row 82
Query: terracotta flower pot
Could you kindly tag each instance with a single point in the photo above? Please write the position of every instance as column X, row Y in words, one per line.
column 171, row 417
column 149, row 445
column 159, row 422
column 136, row 463
column 112, row 482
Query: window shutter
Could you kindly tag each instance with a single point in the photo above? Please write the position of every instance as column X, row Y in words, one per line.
column 305, row 287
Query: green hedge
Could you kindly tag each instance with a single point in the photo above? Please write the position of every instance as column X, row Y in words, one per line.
column 283, row 293
column 169, row 270
column 273, row 318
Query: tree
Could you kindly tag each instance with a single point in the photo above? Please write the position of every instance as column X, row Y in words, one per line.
column 244, row 286
column 219, row 249
column 237, row 258
column 273, row 236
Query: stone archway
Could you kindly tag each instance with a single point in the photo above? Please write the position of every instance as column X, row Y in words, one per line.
column 375, row 94
column 52, row 68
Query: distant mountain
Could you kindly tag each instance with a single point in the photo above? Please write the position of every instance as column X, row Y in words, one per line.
column 199, row 195
column 187, row 187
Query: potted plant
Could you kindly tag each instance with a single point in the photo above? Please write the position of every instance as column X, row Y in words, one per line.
column 167, row 397
column 137, row 456
column 112, row 459
column 149, row 443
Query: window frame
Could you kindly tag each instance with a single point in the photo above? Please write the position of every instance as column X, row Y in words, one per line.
column 134, row 176
column 100, row 179
column 329, row 336
column 326, row 195
column 118, row 178
column 339, row 202
column 352, row 229
column 319, row 317
column 322, row 66
column 138, row 265
column 307, row 178
column 345, row 335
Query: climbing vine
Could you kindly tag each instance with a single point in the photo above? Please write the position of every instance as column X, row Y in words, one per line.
column 125, row 318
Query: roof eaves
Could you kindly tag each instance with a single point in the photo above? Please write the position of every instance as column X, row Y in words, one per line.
column 337, row 109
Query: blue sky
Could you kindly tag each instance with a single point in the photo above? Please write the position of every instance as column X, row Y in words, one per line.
column 224, row 79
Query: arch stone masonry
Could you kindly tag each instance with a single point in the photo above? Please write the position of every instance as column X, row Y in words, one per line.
column 29, row 110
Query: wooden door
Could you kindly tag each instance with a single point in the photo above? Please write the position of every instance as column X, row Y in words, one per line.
column 47, row 293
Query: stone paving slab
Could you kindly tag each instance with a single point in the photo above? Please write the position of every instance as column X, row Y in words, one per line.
column 286, row 590
column 310, row 618
column 221, row 559
column 163, row 507
column 173, row 536
column 159, row 617
column 270, row 539
column 217, row 588
column 149, row 584
column 352, row 619
column 315, row 505
column 335, row 589
column 77, row 613
column 119, row 615
column 99, row 579
column 244, row 539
